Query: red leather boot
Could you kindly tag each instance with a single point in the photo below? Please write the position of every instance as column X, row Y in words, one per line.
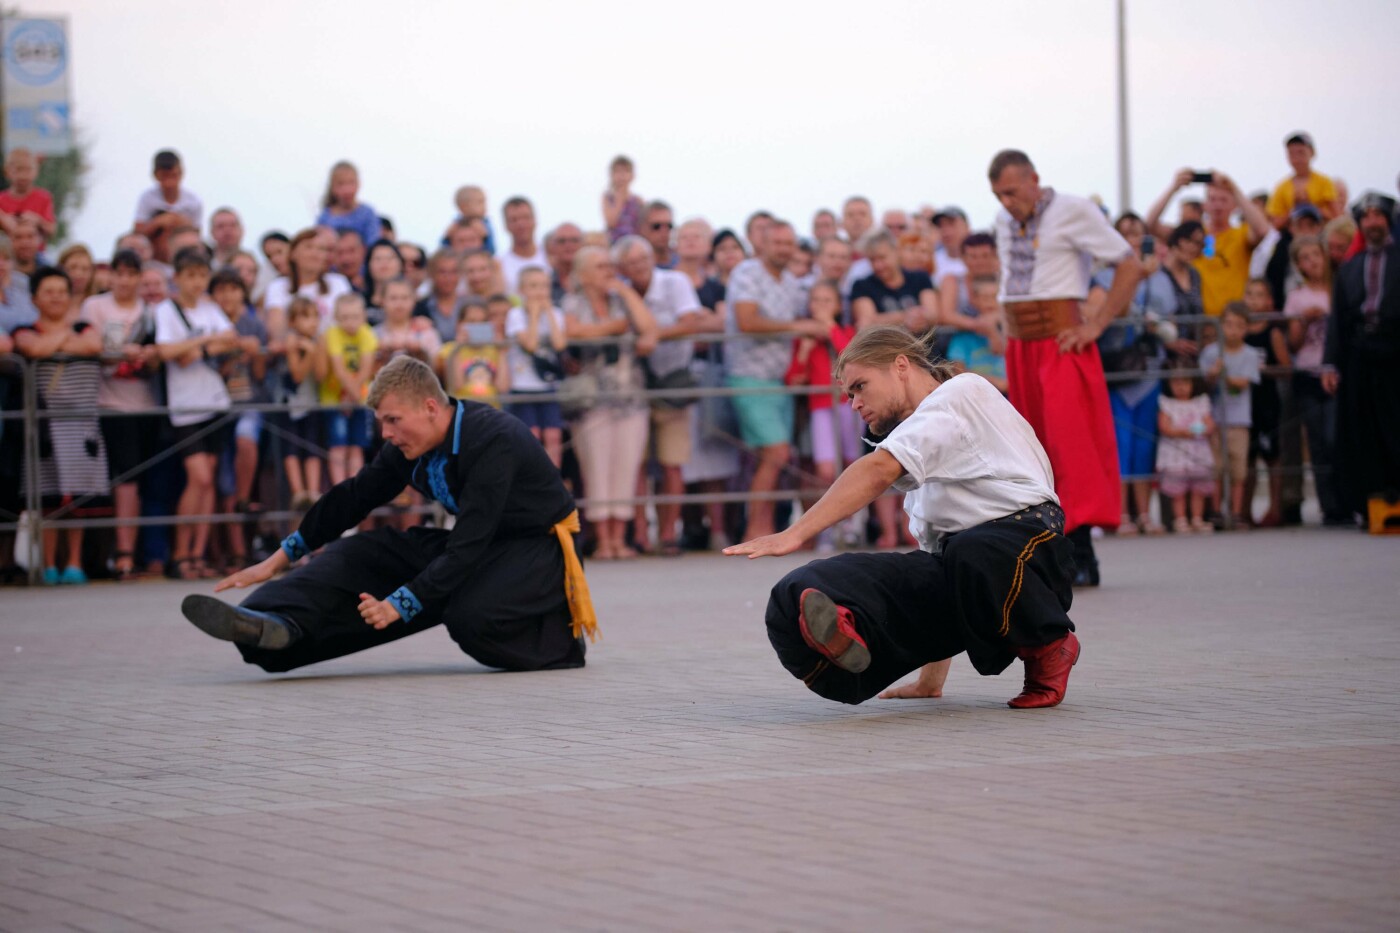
column 1047, row 673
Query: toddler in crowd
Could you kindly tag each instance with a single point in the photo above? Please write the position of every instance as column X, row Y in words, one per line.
column 1232, row 371
column 302, row 463
column 1185, row 461
column 812, row 363
column 471, row 205
column 976, row 353
column 344, row 368
column 536, row 334
column 471, row 366
column 23, row 199
column 622, row 210
column 341, row 207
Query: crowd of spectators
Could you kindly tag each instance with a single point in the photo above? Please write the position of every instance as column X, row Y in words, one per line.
column 252, row 363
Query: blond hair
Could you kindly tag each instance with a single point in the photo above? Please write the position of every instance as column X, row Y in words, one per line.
column 880, row 346
column 409, row 378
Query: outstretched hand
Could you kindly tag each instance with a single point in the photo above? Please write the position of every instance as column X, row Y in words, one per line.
column 377, row 612
column 929, row 685
column 784, row 542
column 260, row 572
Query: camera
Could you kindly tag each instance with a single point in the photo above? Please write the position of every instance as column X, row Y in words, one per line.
column 1203, row 178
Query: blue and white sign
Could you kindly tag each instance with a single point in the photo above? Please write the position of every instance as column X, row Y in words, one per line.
column 34, row 86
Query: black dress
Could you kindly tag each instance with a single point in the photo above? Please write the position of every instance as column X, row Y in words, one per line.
column 496, row 580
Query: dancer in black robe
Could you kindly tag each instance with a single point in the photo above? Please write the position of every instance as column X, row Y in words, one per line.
column 506, row 580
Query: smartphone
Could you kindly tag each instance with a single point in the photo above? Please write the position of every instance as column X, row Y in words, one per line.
column 1149, row 245
column 1203, row 178
column 481, row 333
column 1208, row 251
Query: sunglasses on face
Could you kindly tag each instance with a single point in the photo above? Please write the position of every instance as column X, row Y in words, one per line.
column 662, row 225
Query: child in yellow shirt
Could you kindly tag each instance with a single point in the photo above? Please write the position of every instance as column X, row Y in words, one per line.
column 344, row 367
column 473, row 366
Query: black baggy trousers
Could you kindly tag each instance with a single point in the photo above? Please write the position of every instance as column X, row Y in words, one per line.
column 509, row 613
column 995, row 587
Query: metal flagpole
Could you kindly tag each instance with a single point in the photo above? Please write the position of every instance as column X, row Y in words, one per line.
column 1125, row 192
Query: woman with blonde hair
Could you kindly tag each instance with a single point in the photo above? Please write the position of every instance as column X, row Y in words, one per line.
column 610, row 434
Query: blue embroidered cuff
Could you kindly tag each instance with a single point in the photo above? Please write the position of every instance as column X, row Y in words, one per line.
column 294, row 546
column 405, row 602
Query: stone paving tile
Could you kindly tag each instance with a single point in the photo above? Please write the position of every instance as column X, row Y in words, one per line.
column 1229, row 758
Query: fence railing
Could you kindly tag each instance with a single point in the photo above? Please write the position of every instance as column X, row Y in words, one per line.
column 30, row 416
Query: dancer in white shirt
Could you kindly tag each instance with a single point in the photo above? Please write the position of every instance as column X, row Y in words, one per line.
column 993, row 573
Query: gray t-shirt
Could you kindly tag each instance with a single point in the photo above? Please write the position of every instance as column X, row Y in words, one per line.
column 1232, row 405
column 762, row 356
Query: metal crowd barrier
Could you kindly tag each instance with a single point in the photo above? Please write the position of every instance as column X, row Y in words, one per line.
column 30, row 418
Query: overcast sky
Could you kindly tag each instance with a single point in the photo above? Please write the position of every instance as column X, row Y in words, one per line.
column 731, row 107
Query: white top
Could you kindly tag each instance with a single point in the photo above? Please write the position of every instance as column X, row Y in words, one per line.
column 523, row 377
column 1073, row 234
column 943, row 264
column 152, row 203
column 969, row 457
column 670, row 296
column 859, row 270
column 1309, row 355
column 512, row 265
column 195, row 392
column 279, row 294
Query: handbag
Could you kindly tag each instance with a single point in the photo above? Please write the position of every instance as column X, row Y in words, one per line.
column 681, row 378
column 577, row 394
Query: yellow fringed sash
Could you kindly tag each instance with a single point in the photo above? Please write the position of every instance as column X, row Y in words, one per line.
column 585, row 620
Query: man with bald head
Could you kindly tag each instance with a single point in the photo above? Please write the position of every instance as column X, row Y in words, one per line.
column 1047, row 242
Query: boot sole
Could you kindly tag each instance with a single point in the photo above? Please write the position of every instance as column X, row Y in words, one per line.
column 818, row 622
column 218, row 619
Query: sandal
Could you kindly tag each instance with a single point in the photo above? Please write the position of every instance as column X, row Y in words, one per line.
column 123, row 566
column 183, row 568
column 1127, row 527
column 205, row 571
column 668, row 549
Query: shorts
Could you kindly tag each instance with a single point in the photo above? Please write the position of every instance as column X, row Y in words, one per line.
column 249, row 426
column 764, row 420
column 1179, row 484
column 130, row 440
column 349, row 429
column 302, row 437
column 670, row 436
column 543, row 414
column 1237, row 449
column 212, row 442
column 829, row 423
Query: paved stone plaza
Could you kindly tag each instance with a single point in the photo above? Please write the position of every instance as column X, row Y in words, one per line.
column 1228, row 758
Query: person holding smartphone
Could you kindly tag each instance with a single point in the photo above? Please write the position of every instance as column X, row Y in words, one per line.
column 1224, row 261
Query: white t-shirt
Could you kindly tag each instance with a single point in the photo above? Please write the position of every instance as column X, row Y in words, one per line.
column 523, row 377
column 969, row 457
column 197, row 391
column 152, row 203
column 512, row 265
column 943, row 264
column 669, row 296
column 279, row 294
column 1073, row 233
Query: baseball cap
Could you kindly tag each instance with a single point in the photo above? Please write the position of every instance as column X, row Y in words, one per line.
column 1306, row 211
column 949, row 213
column 1300, row 137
